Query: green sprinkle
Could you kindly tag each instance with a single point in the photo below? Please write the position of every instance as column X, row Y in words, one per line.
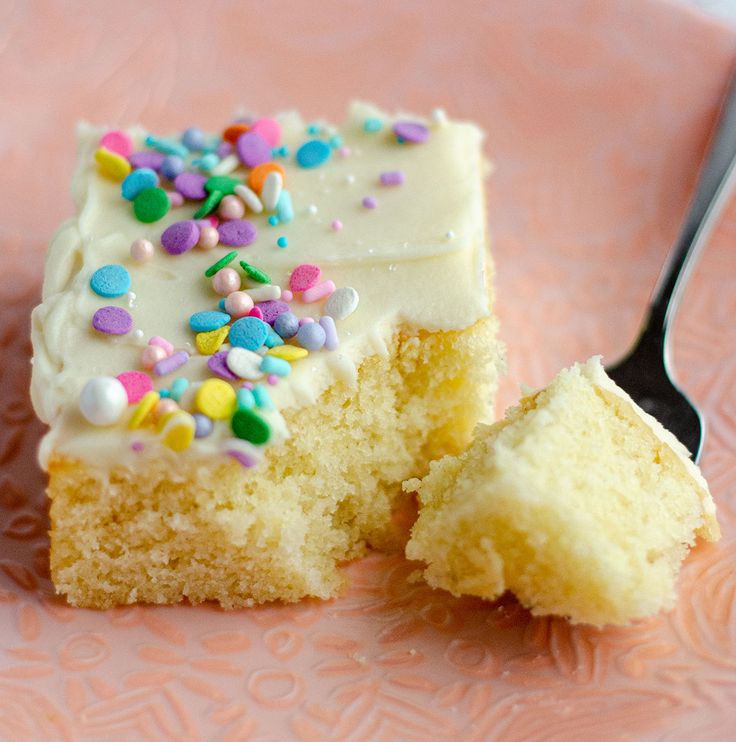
column 255, row 274
column 372, row 125
column 221, row 263
column 151, row 204
column 223, row 183
column 250, row 427
column 209, row 204
column 282, row 242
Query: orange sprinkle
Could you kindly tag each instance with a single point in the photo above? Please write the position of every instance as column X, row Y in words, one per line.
column 257, row 176
column 233, row 132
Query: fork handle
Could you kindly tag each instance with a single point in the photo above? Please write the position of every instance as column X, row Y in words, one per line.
column 711, row 192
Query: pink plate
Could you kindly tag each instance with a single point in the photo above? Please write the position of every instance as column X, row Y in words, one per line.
column 597, row 115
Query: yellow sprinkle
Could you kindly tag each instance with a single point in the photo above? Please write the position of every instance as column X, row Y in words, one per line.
column 216, row 399
column 178, row 432
column 111, row 165
column 288, row 352
column 161, row 422
column 209, row 343
column 148, row 401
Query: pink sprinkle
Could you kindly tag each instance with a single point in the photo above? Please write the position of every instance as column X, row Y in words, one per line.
column 304, row 276
column 256, row 312
column 162, row 343
column 118, row 142
column 286, row 295
column 137, row 446
column 344, row 151
column 136, row 384
column 247, row 385
column 213, row 220
column 272, row 379
column 305, row 321
column 369, row 202
column 336, row 225
column 320, row 291
column 175, row 198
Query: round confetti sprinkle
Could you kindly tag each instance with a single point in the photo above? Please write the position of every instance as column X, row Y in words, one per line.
column 249, row 333
column 221, row 263
column 178, row 431
column 244, row 363
column 172, row 166
column 202, row 425
column 193, row 139
column 112, row 321
column 152, row 160
column 118, row 142
column 304, row 276
column 253, row 149
column 217, row 363
column 271, row 309
column 111, row 165
column 136, row 384
column 151, row 205
column 191, row 186
column 250, row 426
column 311, row 336
column 180, row 237
column 282, row 242
column 237, row 233
column 313, row 153
column 369, row 202
column 139, row 180
column 110, row 281
column 342, row 303
column 257, row 176
column 410, row 131
column 224, row 184
column 103, row 400
column 286, row 325
column 269, row 129
column 216, row 399
column 336, row 225
column 208, row 320
column 141, row 250
column 255, row 274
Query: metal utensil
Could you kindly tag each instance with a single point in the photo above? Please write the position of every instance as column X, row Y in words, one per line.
column 644, row 372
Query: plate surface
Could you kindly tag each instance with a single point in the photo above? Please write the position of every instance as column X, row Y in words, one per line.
column 597, row 115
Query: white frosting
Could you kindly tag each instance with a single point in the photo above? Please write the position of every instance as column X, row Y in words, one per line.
column 398, row 257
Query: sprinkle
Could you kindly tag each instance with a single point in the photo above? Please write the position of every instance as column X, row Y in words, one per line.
column 271, row 191
column 328, row 325
column 269, row 129
column 410, row 131
column 193, row 139
column 313, row 153
column 256, row 312
column 118, row 142
column 255, row 274
column 305, row 321
column 311, row 336
column 231, row 207
column 157, row 340
column 216, row 399
column 138, row 181
column 172, row 166
column 151, row 355
column 273, row 339
column 285, row 208
column 266, row 292
column 136, row 384
column 112, row 321
column 164, row 410
column 272, row 379
column 234, row 132
column 226, row 165
column 148, row 159
column 237, row 233
column 208, row 320
column 208, row 343
column 221, row 263
column 137, row 446
column 166, row 146
column 191, row 186
column 175, row 199
column 248, row 385
column 312, row 209
column 173, row 362
column 369, row 202
column 144, row 408
column 288, row 352
column 180, row 237
column 282, row 241
column 243, row 452
column 249, row 198
column 272, row 365
column 439, row 116
column 313, row 129
column 344, row 151
column 336, row 225
column 320, row 291
column 335, row 141
column 111, row 165
column 110, row 281
column 217, row 363
column 178, row 387
column 286, row 295
column 209, row 204
column 258, row 175
column 350, row 179
column 392, row 177
column 202, row 425
column 209, row 237
column 141, row 250
column 450, row 235
column 223, row 149
column 246, row 400
column 342, row 303
column 272, row 309
column 372, row 125
column 304, row 276
column 237, row 304
column 248, row 332
column 252, row 149
column 244, row 363
column 103, row 400
column 286, row 325
column 207, row 162
column 262, row 398
column 273, row 220
column 151, row 205
column 226, row 281
column 249, row 426
column 179, row 430
column 138, row 336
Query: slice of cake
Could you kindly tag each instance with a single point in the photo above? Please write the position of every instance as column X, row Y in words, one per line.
column 247, row 341
column 578, row 502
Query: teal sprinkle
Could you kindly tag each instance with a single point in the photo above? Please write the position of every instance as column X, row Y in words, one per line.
column 246, row 399
column 285, row 208
column 285, row 151
column 166, row 146
column 262, row 397
column 400, row 140
column 207, row 162
column 164, row 393
column 371, row 126
column 282, row 242
column 335, row 141
column 178, row 387
column 273, row 220
column 313, row 129
column 273, row 338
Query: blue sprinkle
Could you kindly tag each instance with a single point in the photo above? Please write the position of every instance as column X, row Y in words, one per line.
column 203, row 425
column 207, row 321
column 249, row 333
column 273, row 220
column 372, row 125
column 172, row 166
column 138, row 181
column 273, row 338
column 284, row 151
column 273, row 365
column 286, row 324
column 282, row 242
column 166, row 146
column 284, row 208
column 335, row 141
column 178, row 387
column 221, row 304
column 164, row 393
column 262, row 397
column 194, row 139
column 246, row 399
column 313, row 129
column 311, row 336
column 313, row 153
column 110, row 281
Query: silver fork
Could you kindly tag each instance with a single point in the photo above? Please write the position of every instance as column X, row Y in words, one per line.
column 645, row 371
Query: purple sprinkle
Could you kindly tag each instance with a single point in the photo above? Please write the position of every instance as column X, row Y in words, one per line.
column 253, row 149
column 411, row 131
column 272, row 309
column 331, row 339
column 369, row 202
column 242, row 458
column 191, row 186
column 137, row 446
column 392, row 178
column 224, row 149
column 237, row 233
column 272, row 379
column 173, row 362
column 154, row 160
column 217, row 363
column 112, row 321
column 202, row 425
column 247, row 385
column 180, row 237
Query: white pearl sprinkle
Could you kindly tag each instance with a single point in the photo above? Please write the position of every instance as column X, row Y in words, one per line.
column 439, row 116
column 450, row 234
column 350, row 179
column 311, row 209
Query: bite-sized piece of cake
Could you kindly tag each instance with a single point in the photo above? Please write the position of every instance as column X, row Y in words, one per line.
column 578, row 502
column 247, row 341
